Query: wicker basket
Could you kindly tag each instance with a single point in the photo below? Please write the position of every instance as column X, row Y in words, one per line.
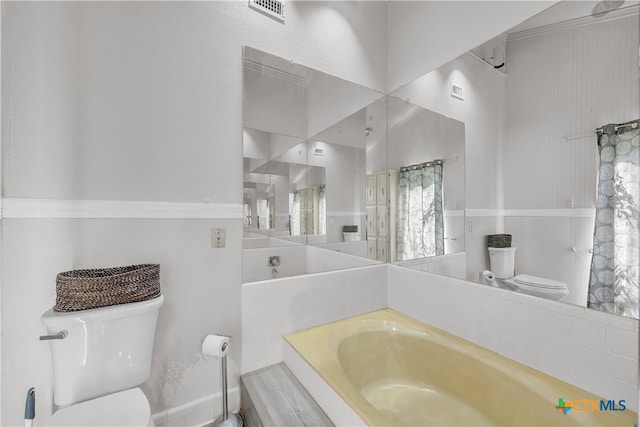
column 499, row 240
column 85, row 289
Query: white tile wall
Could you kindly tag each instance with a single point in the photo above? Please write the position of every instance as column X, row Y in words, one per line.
column 293, row 260
column 590, row 349
column 253, row 241
column 274, row 308
column 358, row 248
column 453, row 265
column 319, row 260
column 296, row 260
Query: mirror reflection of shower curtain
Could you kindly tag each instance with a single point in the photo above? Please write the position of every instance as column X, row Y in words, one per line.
column 420, row 231
column 322, row 211
column 615, row 265
column 295, row 214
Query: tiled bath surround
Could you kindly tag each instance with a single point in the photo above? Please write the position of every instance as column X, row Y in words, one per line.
column 589, row 349
column 273, row 308
column 454, row 265
column 584, row 347
column 296, row 260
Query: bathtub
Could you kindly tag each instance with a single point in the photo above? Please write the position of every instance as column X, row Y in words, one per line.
column 393, row 370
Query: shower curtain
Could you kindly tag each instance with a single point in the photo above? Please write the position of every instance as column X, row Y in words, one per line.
column 615, row 269
column 420, row 231
column 295, row 214
column 322, row 210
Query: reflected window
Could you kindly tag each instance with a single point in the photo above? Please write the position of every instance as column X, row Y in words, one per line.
column 420, row 213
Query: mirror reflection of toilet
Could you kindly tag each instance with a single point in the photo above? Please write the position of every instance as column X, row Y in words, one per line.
column 502, row 266
column 100, row 357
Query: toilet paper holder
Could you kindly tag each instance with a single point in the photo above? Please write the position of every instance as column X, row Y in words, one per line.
column 226, row 419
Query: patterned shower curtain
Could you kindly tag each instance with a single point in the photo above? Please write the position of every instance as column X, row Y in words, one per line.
column 295, row 214
column 615, row 269
column 322, row 210
column 420, row 230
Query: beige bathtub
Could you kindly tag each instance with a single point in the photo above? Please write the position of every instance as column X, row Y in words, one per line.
column 394, row 370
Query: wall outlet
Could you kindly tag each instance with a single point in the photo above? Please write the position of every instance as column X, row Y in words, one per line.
column 218, row 237
column 570, row 203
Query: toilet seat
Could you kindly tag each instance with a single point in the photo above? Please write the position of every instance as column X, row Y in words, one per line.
column 539, row 286
column 125, row 408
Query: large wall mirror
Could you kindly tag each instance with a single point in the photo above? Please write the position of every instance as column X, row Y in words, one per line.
column 426, row 181
column 339, row 166
column 308, row 140
column 384, row 177
column 539, row 107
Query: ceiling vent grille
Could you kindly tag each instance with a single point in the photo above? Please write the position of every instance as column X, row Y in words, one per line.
column 272, row 8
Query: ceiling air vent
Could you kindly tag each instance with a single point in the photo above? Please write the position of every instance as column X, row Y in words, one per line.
column 272, row 8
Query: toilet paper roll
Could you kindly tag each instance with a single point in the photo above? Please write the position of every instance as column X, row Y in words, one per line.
column 216, row 345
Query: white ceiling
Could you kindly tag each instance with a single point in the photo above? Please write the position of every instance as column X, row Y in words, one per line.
column 565, row 10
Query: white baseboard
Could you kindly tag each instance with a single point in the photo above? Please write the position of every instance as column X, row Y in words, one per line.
column 198, row 412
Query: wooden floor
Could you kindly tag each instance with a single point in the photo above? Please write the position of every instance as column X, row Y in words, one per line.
column 273, row 396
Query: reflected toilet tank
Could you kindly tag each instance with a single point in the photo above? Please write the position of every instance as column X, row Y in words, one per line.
column 502, row 262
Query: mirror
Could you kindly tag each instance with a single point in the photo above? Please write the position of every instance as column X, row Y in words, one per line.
column 307, row 138
column 426, row 176
column 527, row 120
column 350, row 150
column 283, row 196
column 531, row 100
column 317, row 169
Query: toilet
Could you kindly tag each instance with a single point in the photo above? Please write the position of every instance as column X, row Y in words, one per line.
column 502, row 266
column 100, row 358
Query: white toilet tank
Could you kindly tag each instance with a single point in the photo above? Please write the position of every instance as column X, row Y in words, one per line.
column 105, row 350
column 502, row 262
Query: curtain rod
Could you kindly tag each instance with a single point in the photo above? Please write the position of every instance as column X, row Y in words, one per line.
column 599, row 130
column 420, row 165
column 633, row 125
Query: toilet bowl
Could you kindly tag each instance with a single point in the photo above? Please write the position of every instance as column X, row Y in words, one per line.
column 125, row 408
column 100, row 357
column 502, row 266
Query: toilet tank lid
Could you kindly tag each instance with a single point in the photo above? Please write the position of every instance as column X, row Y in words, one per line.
column 509, row 249
column 60, row 319
column 125, row 408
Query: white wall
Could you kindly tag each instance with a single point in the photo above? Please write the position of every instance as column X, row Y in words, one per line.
column 425, row 35
column 567, row 82
column 142, row 102
column 556, row 86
